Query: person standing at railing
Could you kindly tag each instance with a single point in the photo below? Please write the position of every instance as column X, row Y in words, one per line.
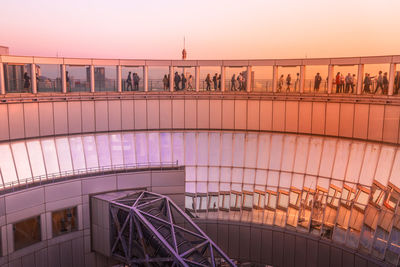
column 233, row 83
column 129, row 82
column 280, row 83
column 353, row 83
column 296, row 82
column 348, row 82
column 190, row 82
column 219, row 82
column 27, row 82
column 136, row 80
column 208, row 82
column 367, row 83
column 177, row 80
column 215, row 81
column 379, row 83
column 317, row 82
column 183, row 79
column 288, row 82
column 165, row 82
column 385, row 82
column 337, row 81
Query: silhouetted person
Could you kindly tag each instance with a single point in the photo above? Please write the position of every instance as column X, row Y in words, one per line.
column 208, row 82
column 233, row 83
column 165, row 82
column 317, row 82
column 367, row 83
column 67, row 80
column 136, row 80
column 280, row 83
column 353, row 83
column 385, row 82
column 337, row 80
column 27, row 81
column 396, row 86
column 190, row 82
column 219, row 82
column 348, row 81
column 129, row 82
column 177, row 80
column 215, row 81
column 183, row 81
column 296, row 82
column 288, row 82
column 379, row 83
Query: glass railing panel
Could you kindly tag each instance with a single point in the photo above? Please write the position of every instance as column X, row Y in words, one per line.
column 158, row 78
column 78, row 78
column 376, row 79
column 235, row 79
column 345, row 79
column 17, row 78
column 132, row 78
column 316, row 79
column 261, row 79
column 210, row 78
column 105, row 79
column 48, row 78
column 288, row 79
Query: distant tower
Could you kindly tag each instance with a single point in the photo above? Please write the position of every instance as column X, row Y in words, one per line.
column 184, row 54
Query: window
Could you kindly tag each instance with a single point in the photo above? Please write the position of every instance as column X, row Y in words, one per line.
column 258, row 200
column 270, row 200
column 189, row 202
column 201, row 203
column 377, row 193
column 294, row 197
column 348, row 195
column 392, row 197
column 333, row 196
column 283, row 201
column 64, row 221
column 213, row 202
column 247, row 200
column 224, row 201
column 362, row 198
column 236, row 200
column 27, row 232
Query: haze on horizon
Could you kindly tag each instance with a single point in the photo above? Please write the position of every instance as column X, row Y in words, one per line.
column 223, row 29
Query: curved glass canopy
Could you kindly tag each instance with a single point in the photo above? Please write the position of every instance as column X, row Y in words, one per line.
column 339, row 189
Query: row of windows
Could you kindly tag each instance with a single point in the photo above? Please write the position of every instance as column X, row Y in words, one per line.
column 361, row 217
column 28, row 231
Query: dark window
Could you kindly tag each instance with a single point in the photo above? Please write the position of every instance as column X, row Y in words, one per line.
column 27, row 232
column 64, row 221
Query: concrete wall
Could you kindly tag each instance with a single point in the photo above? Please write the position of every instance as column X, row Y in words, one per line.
column 72, row 249
column 366, row 120
column 266, row 245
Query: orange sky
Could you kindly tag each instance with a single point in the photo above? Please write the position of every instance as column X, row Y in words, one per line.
column 223, row 29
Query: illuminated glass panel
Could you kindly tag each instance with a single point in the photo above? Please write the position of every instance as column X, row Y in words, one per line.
column 128, row 146
column 90, row 152
column 177, row 145
column 77, row 153
column 289, row 146
column 117, row 157
column 64, row 155
column 238, row 150
column 190, row 149
column 263, row 151
column 50, row 156
column 36, row 158
column 251, row 150
column 141, row 148
column 166, row 147
column 154, row 147
column 7, row 167
column 21, row 160
column 214, row 154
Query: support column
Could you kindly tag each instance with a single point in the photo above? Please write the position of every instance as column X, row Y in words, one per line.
column 92, row 79
column 2, row 80
column 119, row 78
column 360, row 78
column 302, row 78
column 197, row 82
column 146, row 78
column 248, row 79
column 392, row 73
column 33, row 78
column 171, row 78
column 330, row 78
column 63, row 78
column 222, row 78
column 274, row 78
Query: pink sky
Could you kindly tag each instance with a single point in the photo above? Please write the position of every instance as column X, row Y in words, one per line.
column 220, row 29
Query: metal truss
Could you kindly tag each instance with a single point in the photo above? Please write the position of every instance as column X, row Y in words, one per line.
column 148, row 229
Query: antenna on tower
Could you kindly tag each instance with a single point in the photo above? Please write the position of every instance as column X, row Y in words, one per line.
column 184, row 54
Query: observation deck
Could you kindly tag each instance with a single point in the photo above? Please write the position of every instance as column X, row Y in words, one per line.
column 296, row 164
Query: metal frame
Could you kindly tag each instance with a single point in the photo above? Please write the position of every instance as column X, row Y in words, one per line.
column 149, row 229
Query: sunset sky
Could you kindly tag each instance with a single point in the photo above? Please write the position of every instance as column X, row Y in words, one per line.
column 222, row 29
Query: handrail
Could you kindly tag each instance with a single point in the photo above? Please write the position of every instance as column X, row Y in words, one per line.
column 66, row 175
